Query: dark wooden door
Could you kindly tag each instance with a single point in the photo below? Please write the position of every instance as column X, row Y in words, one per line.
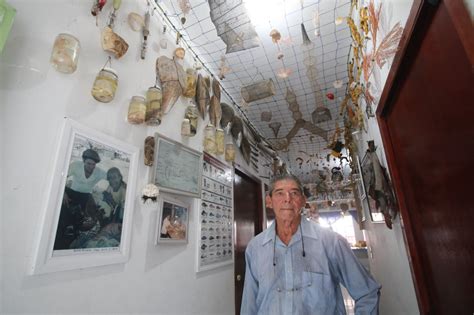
column 248, row 213
column 427, row 124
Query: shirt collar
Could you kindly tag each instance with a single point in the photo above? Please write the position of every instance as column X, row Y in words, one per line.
column 309, row 230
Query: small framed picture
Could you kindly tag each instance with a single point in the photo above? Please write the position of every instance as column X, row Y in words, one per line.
column 173, row 221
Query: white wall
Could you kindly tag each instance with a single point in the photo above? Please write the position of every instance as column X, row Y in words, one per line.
column 34, row 98
column 387, row 251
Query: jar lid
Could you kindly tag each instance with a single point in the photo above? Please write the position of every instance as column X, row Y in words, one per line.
column 111, row 71
column 185, row 120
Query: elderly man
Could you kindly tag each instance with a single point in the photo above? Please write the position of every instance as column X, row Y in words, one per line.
column 296, row 266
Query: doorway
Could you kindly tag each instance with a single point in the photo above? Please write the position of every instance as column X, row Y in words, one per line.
column 426, row 126
column 248, row 218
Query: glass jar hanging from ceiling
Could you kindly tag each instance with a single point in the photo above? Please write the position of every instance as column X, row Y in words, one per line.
column 153, row 106
column 65, row 53
column 136, row 110
column 210, row 139
column 105, row 85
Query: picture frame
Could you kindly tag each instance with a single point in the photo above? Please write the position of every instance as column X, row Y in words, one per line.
column 173, row 222
column 368, row 178
column 87, row 221
column 215, row 216
column 176, row 168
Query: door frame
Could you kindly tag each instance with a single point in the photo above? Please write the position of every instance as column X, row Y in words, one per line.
column 259, row 225
column 419, row 19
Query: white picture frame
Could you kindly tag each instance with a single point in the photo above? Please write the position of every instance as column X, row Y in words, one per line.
column 173, row 221
column 215, row 216
column 75, row 234
column 176, row 168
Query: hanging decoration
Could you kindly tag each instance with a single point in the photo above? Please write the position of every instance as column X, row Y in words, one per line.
column 65, row 53
column 173, row 81
column 111, row 41
column 135, row 21
column 227, row 117
column 202, row 96
column 97, row 7
column 306, row 40
column 185, row 7
column 215, row 111
column 150, row 194
column 233, row 25
column 191, row 81
column 105, row 84
column 223, row 68
column 266, row 116
column 145, row 33
column 258, row 90
column 149, row 150
column 379, row 187
column 275, row 126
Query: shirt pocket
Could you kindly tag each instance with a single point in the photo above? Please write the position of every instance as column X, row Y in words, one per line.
column 318, row 297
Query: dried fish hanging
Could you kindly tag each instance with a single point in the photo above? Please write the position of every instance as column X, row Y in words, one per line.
column 146, row 33
column 111, row 41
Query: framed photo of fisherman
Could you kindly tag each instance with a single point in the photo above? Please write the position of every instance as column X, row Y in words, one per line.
column 88, row 212
column 173, row 223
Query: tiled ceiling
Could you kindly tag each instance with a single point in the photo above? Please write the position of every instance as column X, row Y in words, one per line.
column 330, row 46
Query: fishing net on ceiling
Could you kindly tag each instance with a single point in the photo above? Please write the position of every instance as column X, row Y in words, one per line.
column 233, row 25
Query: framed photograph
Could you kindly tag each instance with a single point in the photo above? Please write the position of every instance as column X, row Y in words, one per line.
column 215, row 228
column 88, row 213
column 368, row 177
column 173, row 222
column 176, row 168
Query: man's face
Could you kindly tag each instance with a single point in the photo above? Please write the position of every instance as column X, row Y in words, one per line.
column 115, row 180
column 286, row 200
column 89, row 165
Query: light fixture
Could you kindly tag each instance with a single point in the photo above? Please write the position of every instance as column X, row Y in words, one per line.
column 262, row 11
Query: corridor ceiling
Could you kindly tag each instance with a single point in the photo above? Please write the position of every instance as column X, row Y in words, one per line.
column 313, row 66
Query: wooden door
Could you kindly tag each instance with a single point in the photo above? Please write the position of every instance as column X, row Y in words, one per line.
column 427, row 125
column 248, row 213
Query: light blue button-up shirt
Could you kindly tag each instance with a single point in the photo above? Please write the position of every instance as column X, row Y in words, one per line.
column 279, row 280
